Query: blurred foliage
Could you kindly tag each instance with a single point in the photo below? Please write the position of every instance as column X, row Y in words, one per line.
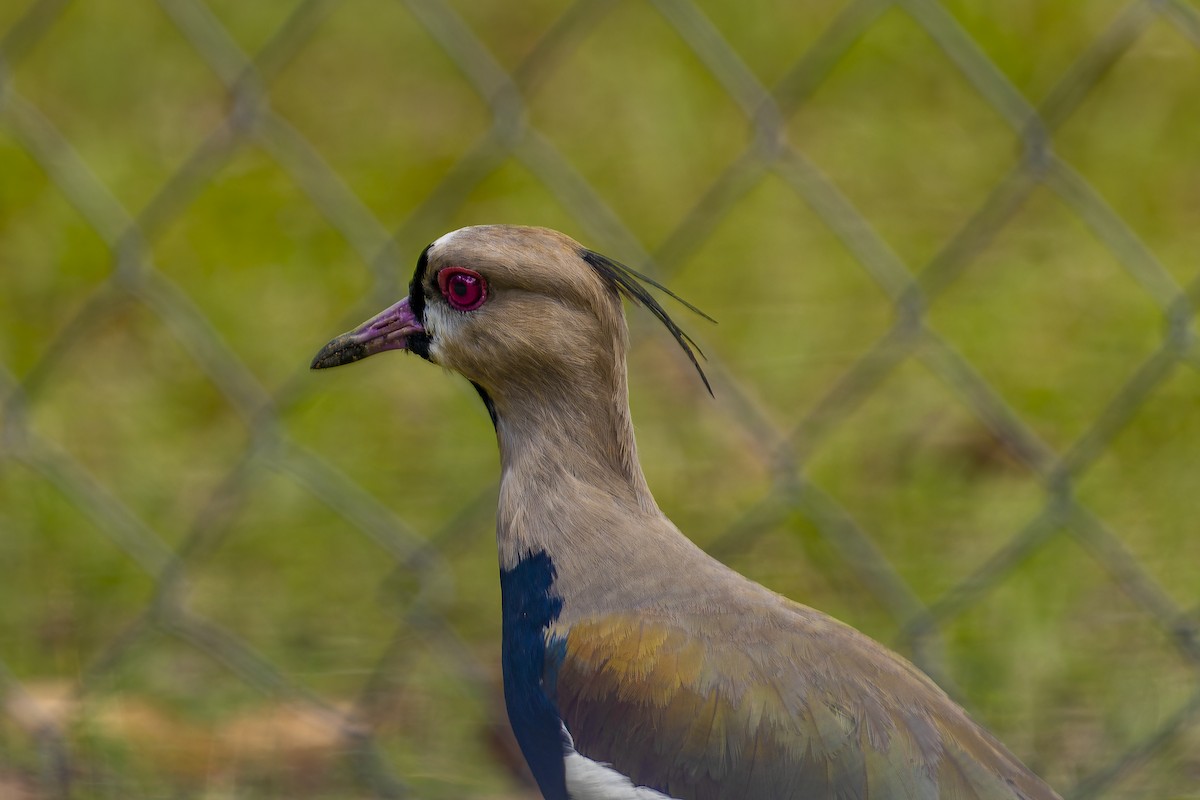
column 179, row 235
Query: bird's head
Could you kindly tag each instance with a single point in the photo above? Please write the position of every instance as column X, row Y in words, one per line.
column 518, row 311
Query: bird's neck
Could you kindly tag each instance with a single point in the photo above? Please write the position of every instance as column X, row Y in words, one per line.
column 567, row 460
column 580, row 437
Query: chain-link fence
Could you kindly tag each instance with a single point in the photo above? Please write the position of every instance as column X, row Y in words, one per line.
column 983, row 452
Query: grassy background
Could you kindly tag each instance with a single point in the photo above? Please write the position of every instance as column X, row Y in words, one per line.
column 105, row 386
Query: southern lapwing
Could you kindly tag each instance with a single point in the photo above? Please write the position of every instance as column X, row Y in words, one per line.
column 635, row 665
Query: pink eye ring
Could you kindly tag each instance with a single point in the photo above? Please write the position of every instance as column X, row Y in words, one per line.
column 464, row 289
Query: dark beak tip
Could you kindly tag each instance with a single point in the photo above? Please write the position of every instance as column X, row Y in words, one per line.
column 387, row 330
column 337, row 353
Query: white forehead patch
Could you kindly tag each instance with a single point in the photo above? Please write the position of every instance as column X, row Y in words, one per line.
column 443, row 239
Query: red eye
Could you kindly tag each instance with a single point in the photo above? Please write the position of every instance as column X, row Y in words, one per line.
column 464, row 289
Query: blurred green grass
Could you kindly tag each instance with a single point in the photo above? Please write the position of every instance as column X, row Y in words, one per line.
column 1056, row 660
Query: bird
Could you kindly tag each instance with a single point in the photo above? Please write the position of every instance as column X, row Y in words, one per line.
column 635, row 666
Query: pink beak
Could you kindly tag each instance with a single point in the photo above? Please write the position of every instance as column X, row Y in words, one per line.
column 388, row 330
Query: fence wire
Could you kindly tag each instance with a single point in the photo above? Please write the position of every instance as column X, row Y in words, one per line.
column 423, row 557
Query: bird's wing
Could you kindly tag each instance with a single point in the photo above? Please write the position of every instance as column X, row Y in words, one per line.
column 798, row 706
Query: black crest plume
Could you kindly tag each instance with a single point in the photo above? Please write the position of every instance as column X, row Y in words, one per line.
column 629, row 282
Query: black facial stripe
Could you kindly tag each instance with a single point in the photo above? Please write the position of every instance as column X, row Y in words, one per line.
column 416, row 289
column 418, row 344
column 487, row 402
